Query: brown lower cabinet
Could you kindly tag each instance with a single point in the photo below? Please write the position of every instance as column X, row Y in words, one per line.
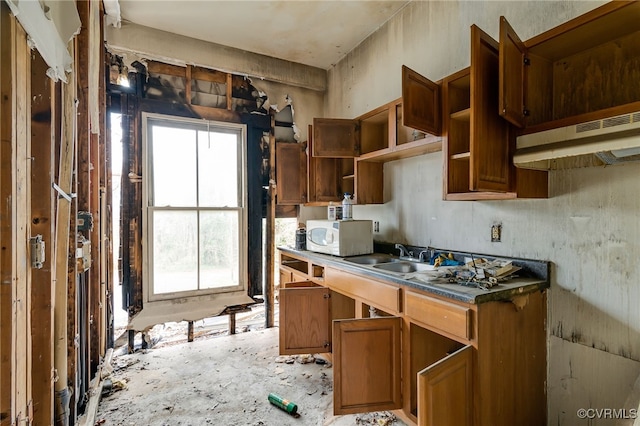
column 436, row 361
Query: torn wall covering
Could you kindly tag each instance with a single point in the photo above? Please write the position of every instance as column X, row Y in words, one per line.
column 50, row 26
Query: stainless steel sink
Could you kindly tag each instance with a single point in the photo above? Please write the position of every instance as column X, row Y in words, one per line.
column 404, row 267
column 372, row 259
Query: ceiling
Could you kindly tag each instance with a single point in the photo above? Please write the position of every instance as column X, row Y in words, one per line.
column 316, row 33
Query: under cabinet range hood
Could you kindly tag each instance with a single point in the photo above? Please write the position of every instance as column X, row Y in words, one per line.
column 612, row 140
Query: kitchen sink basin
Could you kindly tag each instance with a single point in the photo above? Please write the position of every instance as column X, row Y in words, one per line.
column 372, row 259
column 404, row 267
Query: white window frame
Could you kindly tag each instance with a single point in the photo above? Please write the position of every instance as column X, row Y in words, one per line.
column 195, row 304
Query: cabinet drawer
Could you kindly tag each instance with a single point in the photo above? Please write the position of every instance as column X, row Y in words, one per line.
column 445, row 316
column 380, row 295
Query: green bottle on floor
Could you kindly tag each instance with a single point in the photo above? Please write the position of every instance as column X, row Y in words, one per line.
column 283, row 404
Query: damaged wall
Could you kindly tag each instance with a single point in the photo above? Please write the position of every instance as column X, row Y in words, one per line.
column 282, row 82
column 305, row 85
column 588, row 227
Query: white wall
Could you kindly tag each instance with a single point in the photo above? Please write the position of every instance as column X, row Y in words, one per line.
column 589, row 227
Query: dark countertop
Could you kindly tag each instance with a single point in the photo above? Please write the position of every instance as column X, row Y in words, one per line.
column 534, row 276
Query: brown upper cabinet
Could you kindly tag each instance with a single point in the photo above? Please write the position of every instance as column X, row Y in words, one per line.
column 479, row 144
column 336, row 138
column 329, row 177
column 291, row 173
column 421, row 101
column 291, row 160
column 585, row 69
column 402, row 128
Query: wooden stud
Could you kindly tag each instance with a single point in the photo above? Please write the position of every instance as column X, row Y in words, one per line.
column 42, row 223
column 205, row 74
column 269, row 286
column 105, row 306
column 229, row 92
column 190, row 331
column 63, row 233
column 232, row 323
column 107, row 250
column 131, row 341
column 162, row 68
column 86, row 200
column 216, row 114
column 96, row 323
column 187, row 85
column 6, row 128
column 20, row 207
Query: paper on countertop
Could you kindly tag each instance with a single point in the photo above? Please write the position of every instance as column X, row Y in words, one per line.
column 431, row 276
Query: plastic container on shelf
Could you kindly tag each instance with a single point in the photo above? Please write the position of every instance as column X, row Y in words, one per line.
column 347, row 207
column 334, row 212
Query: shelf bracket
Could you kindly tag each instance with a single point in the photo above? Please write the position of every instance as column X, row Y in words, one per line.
column 63, row 194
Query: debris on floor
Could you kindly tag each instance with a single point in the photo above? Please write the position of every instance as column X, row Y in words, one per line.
column 383, row 418
column 221, row 379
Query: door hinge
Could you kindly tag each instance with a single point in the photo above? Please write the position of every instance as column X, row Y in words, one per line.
column 37, row 251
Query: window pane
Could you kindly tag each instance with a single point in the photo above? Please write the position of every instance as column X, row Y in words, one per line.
column 219, row 169
column 219, row 251
column 175, row 257
column 174, row 167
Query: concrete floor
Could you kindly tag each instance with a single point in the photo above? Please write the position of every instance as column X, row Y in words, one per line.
column 220, row 379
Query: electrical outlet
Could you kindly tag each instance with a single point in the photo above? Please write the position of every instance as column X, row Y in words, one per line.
column 376, row 226
column 496, row 233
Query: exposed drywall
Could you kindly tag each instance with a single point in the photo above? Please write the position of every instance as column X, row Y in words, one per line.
column 589, row 228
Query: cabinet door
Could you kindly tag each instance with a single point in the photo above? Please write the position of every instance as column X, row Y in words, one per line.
column 420, row 102
column 285, row 278
column 291, row 173
column 490, row 143
column 366, row 365
column 337, row 138
column 305, row 312
column 513, row 75
column 445, row 391
column 369, row 182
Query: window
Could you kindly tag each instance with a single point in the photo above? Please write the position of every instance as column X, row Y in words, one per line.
column 195, row 207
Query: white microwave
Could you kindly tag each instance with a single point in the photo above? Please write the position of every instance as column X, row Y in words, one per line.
column 340, row 237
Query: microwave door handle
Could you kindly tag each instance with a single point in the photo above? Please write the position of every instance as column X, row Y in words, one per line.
column 329, row 238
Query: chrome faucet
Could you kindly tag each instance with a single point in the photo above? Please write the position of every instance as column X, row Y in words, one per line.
column 404, row 253
column 421, row 257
